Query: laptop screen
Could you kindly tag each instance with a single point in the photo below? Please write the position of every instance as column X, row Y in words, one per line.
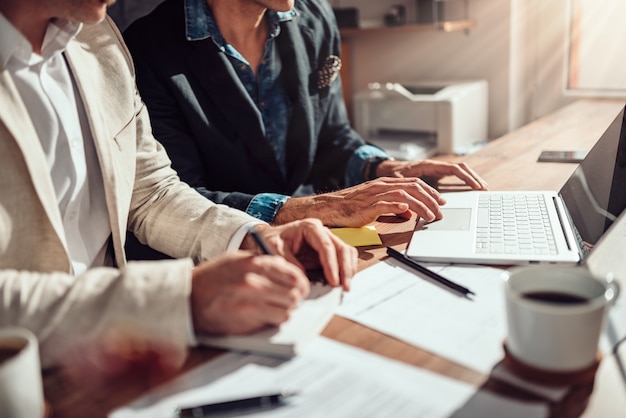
column 595, row 194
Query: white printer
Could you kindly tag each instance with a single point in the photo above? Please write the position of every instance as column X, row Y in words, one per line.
column 420, row 119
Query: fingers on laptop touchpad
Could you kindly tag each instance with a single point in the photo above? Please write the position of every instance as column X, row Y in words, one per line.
column 454, row 219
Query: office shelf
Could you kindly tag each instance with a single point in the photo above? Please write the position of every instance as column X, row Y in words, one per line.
column 443, row 26
column 429, row 15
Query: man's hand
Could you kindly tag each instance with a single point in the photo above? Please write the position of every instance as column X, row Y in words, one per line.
column 362, row 204
column 309, row 245
column 242, row 292
column 431, row 171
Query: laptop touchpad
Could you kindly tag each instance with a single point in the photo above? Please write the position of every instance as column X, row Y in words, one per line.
column 454, row 219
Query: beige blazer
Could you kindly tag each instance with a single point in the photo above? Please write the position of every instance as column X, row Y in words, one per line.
column 142, row 193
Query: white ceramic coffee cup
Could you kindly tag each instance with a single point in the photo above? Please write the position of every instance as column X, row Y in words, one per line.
column 21, row 390
column 556, row 336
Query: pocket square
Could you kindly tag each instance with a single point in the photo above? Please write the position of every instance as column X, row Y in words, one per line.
column 328, row 73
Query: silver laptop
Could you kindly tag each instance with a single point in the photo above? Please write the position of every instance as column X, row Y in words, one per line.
column 532, row 227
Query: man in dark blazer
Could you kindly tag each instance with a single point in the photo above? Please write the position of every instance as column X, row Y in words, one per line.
column 245, row 96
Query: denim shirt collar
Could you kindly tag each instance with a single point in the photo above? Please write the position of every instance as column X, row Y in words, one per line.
column 201, row 23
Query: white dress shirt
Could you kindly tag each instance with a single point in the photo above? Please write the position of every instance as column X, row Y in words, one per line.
column 57, row 112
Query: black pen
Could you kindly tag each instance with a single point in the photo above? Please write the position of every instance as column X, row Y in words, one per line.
column 257, row 402
column 427, row 272
column 259, row 241
column 266, row 250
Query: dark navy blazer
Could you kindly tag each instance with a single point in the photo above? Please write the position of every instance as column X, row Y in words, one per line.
column 211, row 128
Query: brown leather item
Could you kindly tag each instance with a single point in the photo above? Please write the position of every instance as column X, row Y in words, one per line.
column 550, row 377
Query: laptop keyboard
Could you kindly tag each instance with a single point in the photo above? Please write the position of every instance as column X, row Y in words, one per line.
column 514, row 224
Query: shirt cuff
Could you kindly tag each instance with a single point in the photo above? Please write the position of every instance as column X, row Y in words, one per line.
column 233, row 245
column 264, row 206
column 356, row 166
column 192, row 341
column 235, row 241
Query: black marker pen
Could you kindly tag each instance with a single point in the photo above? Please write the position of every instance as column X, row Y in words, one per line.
column 257, row 402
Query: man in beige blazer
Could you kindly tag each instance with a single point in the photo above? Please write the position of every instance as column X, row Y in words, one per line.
column 79, row 165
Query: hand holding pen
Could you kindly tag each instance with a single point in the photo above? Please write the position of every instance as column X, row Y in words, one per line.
column 309, row 245
column 258, row 239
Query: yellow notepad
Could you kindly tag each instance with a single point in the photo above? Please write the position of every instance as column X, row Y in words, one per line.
column 358, row 237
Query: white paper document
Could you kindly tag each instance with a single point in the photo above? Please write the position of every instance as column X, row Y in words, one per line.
column 332, row 380
column 396, row 301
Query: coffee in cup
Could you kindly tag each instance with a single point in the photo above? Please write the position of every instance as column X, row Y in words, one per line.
column 555, row 316
column 7, row 353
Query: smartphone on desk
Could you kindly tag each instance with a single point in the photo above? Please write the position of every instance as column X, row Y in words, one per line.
column 562, row 156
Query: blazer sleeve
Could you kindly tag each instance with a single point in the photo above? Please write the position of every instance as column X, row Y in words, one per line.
column 66, row 311
column 164, row 212
column 171, row 127
column 337, row 142
column 167, row 214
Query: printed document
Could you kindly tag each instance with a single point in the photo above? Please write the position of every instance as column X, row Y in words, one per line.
column 398, row 302
column 332, row 380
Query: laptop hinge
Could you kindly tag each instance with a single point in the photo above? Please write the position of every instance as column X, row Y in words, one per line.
column 575, row 241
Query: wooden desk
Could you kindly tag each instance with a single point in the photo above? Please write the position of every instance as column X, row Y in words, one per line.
column 509, row 163
column 506, row 163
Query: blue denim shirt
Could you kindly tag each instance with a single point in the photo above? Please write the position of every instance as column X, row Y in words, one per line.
column 267, row 92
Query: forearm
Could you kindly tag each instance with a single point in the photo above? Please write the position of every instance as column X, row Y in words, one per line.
column 333, row 209
column 390, row 168
column 66, row 311
column 170, row 216
column 296, row 208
